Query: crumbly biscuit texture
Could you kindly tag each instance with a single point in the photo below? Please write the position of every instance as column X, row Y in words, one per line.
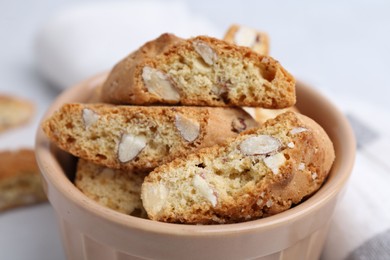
column 14, row 112
column 116, row 189
column 20, row 181
column 248, row 37
column 259, row 43
column 261, row 172
column 200, row 71
column 139, row 137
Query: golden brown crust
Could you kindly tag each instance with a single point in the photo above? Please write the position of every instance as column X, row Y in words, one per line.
column 122, row 86
column 162, row 133
column 20, row 181
column 234, row 186
column 197, row 83
column 248, row 37
column 119, row 190
column 14, row 112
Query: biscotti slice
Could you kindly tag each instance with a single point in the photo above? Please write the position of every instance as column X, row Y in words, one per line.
column 141, row 137
column 248, row 37
column 258, row 42
column 14, row 112
column 116, row 189
column 20, row 181
column 200, row 71
column 259, row 173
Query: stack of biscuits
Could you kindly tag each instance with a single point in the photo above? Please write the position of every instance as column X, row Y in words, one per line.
column 170, row 138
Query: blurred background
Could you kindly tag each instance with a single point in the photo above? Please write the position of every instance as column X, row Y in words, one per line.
column 338, row 47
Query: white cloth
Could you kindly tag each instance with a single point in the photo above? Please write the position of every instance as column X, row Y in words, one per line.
column 364, row 212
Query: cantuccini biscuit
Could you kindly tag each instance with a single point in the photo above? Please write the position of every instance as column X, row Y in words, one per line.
column 141, row 137
column 259, row 43
column 261, row 172
column 14, row 112
column 20, row 181
column 248, row 37
column 200, row 71
column 116, row 189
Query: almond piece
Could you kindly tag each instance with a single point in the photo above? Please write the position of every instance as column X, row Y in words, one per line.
column 154, row 197
column 238, row 125
column 269, row 203
column 274, row 162
column 159, row 84
column 291, row 145
column 246, row 37
column 205, row 51
column 260, row 145
column 188, row 128
column 130, row 146
column 204, row 189
column 301, row 166
column 260, row 200
column 89, row 117
column 297, row 130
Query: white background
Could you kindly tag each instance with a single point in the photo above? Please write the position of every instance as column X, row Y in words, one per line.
column 340, row 47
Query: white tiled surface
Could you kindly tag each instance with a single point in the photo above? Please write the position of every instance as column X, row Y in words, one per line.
column 341, row 47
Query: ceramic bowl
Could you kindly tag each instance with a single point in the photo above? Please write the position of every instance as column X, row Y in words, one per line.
column 91, row 231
